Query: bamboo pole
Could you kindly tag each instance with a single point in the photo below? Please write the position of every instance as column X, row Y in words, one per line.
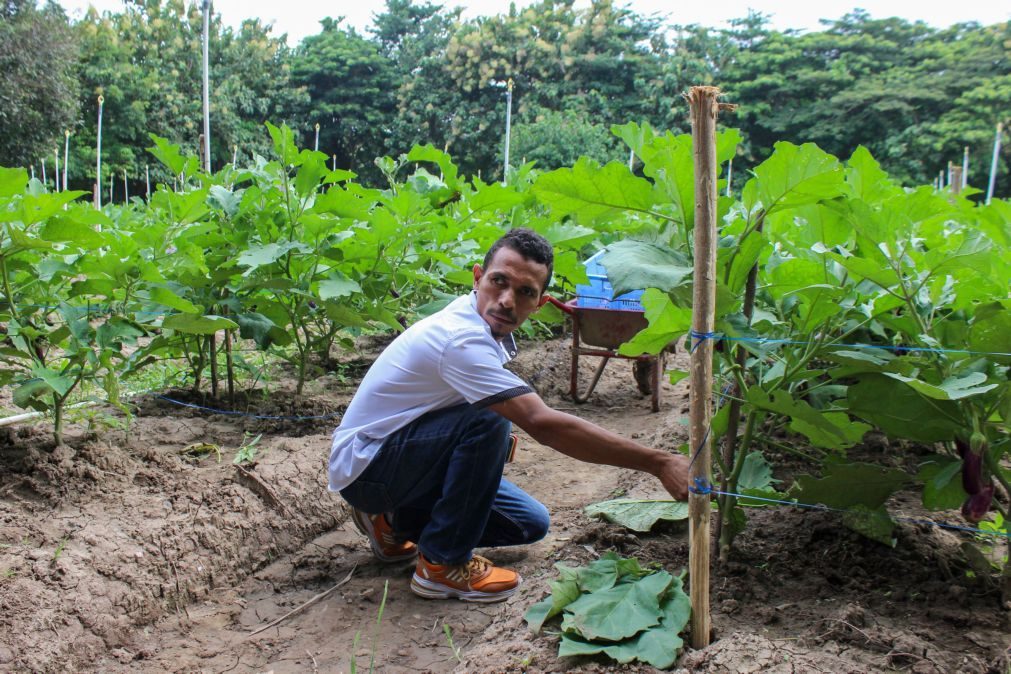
column 315, row 146
column 147, row 182
column 43, row 171
column 126, row 188
column 704, row 110
column 56, row 175
column 993, row 163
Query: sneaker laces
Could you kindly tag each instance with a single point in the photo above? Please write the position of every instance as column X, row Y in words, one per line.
column 476, row 566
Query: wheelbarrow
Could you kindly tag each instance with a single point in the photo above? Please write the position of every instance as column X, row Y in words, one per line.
column 599, row 331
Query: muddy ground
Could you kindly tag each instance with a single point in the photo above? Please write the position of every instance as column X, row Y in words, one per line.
column 123, row 552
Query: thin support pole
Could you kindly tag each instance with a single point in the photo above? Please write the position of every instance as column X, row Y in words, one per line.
column 993, row 163
column 126, row 188
column 631, row 159
column 66, row 156
column 235, row 155
column 43, row 170
column 335, row 162
column 207, row 86
column 147, row 182
column 704, row 111
column 508, row 129
column 56, row 160
column 956, row 179
column 98, row 156
column 965, row 166
column 315, row 146
column 730, row 174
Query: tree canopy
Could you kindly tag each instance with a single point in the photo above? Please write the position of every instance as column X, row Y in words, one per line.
column 914, row 95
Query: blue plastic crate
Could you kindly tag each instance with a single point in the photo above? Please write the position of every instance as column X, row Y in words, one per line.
column 599, row 294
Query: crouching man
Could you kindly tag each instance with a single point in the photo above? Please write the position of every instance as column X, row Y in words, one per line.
column 420, row 450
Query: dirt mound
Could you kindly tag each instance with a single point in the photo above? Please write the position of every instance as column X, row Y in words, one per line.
column 147, row 548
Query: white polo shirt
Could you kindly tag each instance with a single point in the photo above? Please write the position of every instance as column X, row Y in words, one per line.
column 444, row 360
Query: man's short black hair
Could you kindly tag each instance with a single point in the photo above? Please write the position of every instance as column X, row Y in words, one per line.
column 529, row 244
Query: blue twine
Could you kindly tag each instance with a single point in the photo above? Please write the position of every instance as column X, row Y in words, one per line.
column 245, row 414
column 702, row 487
column 701, row 337
column 886, row 347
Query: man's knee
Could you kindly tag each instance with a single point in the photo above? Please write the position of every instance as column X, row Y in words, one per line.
column 538, row 523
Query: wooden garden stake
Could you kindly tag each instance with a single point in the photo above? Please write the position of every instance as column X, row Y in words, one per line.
column 704, row 110
column 956, row 179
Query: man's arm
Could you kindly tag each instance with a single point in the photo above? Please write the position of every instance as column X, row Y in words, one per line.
column 588, row 442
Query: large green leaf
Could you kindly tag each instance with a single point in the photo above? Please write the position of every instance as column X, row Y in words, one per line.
column 619, row 612
column 12, row 181
column 337, row 286
column 666, row 323
column 793, row 176
column 635, row 265
column 589, row 192
column 638, row 514
column 195, row 324
column 261, row 255
column 941, row 488
column 901, row 411
column 658, row 646
column 990, row 331
column 168, row 298
column 832, row 430
column 845, row 485
column 257, row 327
column 953, row 388
column 56, row 381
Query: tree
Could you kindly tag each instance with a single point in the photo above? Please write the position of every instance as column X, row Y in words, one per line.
column 38, row 86
column 146, row 62
column 351, row 86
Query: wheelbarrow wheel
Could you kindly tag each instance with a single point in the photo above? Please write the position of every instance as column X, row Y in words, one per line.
column 642, row 370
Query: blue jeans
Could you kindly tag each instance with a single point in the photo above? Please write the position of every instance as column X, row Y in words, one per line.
column 441, row 479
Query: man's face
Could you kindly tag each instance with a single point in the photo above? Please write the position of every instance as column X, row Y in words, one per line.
column 509, row 290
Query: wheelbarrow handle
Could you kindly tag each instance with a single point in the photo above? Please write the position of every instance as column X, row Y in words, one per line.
column 567, row 308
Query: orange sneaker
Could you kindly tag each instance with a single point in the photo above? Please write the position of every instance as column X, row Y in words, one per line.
column 475, row 581
column 380, row 534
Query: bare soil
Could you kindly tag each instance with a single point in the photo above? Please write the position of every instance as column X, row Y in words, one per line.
column 146, row 551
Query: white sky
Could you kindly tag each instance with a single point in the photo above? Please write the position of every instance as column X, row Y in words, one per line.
column 299, row 18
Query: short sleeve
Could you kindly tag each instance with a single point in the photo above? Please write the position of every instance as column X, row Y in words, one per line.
column 472, row 366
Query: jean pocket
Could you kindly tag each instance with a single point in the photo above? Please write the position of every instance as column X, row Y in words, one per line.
column 372, row 497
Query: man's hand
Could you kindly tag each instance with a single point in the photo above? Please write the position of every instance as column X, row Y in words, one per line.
column 674, row 476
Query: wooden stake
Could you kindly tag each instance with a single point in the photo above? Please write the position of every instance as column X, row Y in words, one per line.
column 704, row 110
column 956, row 179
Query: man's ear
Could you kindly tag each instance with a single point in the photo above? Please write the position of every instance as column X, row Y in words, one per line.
column 478, row 273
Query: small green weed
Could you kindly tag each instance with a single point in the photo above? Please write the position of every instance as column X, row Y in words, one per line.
column 449, row 639
column 247, row 450
column 59, row 548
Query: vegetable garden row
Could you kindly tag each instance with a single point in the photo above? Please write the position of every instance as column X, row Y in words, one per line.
column 845, row 302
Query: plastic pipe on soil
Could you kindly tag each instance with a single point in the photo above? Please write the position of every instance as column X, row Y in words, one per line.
column 28, row 416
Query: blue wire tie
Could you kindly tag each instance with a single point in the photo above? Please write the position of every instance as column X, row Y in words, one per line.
column 701, row 337
column 701, row 486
